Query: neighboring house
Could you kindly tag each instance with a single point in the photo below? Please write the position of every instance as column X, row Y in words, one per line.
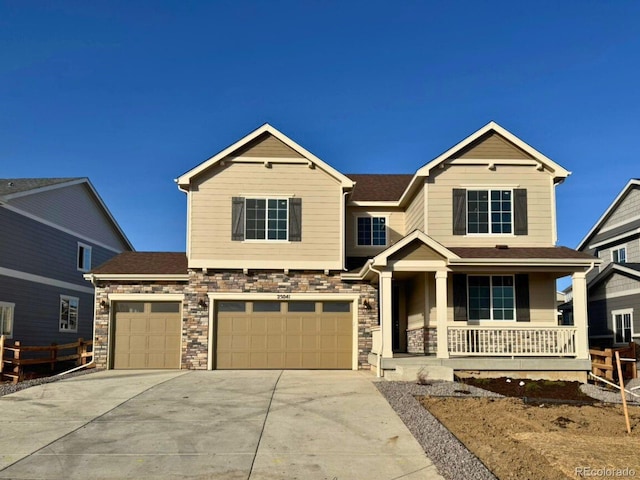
column 54, row 230
column 293, row 264
column 614, row 287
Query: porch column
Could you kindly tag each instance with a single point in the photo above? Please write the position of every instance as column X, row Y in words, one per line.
column 579, row 280
column 386, row 315
column 441, row 314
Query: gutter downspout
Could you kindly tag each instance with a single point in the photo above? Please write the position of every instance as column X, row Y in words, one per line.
column 379, row 366
column 93, row 351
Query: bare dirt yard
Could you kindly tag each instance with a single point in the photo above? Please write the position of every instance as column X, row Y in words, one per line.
column 518, row 440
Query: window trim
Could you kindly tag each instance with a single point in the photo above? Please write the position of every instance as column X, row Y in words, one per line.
column 12, row 308
column 372, row 216
column 622, row 311
column 619, row 249
column 83, row 247
column 266, row 231
column 69, row 299
column 489, row 190
column 492, row 320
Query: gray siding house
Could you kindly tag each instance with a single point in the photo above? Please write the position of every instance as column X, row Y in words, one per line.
column 614, row 286
column 53, row 231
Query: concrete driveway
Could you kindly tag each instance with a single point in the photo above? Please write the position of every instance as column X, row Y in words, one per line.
column 208, row 424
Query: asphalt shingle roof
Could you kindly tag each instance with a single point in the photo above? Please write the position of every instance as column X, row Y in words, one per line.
column 520, row 252
column 17, row 185
column 145, row 263
column 378, row 187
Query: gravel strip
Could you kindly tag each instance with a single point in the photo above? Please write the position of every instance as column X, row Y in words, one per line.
column 610, row 395
column 7, row 387
column 449, row 455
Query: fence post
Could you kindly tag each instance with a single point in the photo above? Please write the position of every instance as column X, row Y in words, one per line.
column 81, row 347
column 1, row 355
column 54, row 356
column 16, row 361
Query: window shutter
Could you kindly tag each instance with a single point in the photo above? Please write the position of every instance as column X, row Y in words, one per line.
column 295, row 219
column 237, row 219
column 459, row 211
column 459, row 297
column 520, row 220
column 523, row 311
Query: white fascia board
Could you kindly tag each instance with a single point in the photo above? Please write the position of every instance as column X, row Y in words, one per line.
column 567, row 262
column 607, row 212
column 53, row 282
column 213, row 264
column 394, row 204
column 622, row 236
column 559, row 171
column 184, row 179
column 138, row 277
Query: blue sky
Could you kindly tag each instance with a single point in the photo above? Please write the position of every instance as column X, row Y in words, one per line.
column 132, row 94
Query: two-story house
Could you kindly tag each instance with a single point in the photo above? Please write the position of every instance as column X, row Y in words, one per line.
column 293, row 264
column 54, row 230
column 614, row 287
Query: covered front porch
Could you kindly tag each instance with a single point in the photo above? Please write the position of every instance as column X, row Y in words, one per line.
column 475, row 309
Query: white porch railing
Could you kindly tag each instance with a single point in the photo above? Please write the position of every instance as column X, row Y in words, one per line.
column 376, row 340
column 517, row 341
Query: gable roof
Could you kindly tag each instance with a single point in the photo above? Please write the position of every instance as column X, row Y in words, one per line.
column 628, row 269
column 11, row 188
column 603, row 218
column 378, row 187
column 184, row 179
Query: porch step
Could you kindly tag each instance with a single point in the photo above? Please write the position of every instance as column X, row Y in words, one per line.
column 411, row 373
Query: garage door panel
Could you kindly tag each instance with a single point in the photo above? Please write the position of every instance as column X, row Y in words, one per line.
column 283, row 340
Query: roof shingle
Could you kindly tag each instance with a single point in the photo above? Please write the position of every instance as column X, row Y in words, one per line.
column 145, row 263
column 520, row 252
column 379, row 187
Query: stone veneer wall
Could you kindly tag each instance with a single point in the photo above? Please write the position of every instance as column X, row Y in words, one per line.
column 422, row 340
column 195, row 324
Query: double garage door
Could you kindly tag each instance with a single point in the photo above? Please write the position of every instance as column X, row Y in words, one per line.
column 248, row 335
column 293, row 334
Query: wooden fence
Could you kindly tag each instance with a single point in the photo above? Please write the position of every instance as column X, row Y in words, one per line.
column 603, row 362
column 14, row 356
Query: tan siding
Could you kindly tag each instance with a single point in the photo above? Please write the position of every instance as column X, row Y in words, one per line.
column 415, row 213
column 74, row 208
column 395, row 229
column 416, row 302
column 539, row 199
column 629, row 208
column 492, row 146
column 416, row 251
column 211, row 213
column 266, row 145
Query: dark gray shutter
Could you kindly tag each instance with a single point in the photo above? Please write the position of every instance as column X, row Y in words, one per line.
column 523, row 312
column 459, row 211
column 520, row 220
column 459, row 297
column 295, row 219
column 237, row 218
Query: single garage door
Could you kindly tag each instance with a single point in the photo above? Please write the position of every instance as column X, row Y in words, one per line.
column 147, row 335
column 284, row 335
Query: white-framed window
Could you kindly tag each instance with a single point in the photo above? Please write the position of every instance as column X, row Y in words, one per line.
column 84, row 257
column 622, row 325
column 68, row 313
column 267, row 219
column 371, row 231
column 490, row 211
column 491, row 297
column 6, row 318
column 619, row 255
